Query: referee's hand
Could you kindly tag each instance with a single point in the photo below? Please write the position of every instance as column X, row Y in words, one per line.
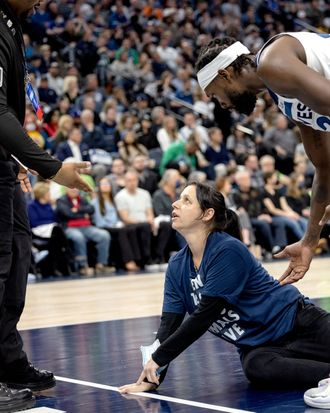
column 69, row 176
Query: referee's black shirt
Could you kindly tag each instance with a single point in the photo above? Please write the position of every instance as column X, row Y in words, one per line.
column 13, row 138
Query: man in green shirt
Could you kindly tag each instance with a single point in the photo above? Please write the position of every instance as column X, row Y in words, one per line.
column 181, row 156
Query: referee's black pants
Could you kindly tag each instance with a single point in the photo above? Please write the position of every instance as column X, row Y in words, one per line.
column 15, row 253
column 300, row 359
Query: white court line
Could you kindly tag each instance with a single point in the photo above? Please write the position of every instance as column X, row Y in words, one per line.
column 156, row 396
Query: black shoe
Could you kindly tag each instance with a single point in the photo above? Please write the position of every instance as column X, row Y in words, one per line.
column 15, row 400
column 20, row 376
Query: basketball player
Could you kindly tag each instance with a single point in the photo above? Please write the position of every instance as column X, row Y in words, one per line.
column 295, row 68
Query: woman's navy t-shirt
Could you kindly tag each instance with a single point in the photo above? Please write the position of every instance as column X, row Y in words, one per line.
column 258, row 309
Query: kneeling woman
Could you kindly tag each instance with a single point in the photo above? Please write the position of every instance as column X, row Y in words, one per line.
column 282, row 338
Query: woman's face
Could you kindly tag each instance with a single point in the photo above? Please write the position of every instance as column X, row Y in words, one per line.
column 105, row 186
column 186, row 213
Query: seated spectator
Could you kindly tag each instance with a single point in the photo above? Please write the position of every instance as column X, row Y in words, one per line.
column 129, row 147
column 270, row 233
column 74, row 213
column 240, row 142
column 47, row 95
column 251, row 164
column 92, row 134
column 79, row 151
column 73, row 147
column 135, row 208
column 281, row 142
column 224, row 186
column 190, row 126
column 50, row 125
column 181, row 156
column 47, row 234
column 117, row 175
column 162, row 200
column 216, row 152
column 267, row 164
column 146, row 135
column 65, row 125
column 110, row 130
column 148, row 179
column 279, row 209
column 71, row 89
column 106, row 216
column 169, row 133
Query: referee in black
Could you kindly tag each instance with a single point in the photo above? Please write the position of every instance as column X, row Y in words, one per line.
column 18, row 154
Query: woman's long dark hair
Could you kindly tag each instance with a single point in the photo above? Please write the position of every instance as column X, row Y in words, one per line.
column 101, row 199
column 224, row 219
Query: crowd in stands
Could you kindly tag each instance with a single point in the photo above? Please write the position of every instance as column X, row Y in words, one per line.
column 117, row 84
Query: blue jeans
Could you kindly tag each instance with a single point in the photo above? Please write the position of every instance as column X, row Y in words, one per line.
column 80, row 236
column 298, row 228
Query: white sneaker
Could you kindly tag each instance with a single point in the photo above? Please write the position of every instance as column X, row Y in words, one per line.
column 319, row 397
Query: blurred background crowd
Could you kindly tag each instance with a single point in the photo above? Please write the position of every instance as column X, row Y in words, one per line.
column 117, row 84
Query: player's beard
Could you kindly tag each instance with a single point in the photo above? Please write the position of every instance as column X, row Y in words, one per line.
column 243, row 102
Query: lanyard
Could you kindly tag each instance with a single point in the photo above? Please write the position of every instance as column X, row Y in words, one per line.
column 31, row 94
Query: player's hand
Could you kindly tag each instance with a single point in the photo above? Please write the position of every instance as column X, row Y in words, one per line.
column 135, row 387
column 69, row 176
column 24, row 179
column 300, row 256
column 326, row 216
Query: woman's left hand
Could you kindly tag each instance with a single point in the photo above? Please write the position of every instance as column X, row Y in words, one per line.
column 136, row 388
column 150, row 373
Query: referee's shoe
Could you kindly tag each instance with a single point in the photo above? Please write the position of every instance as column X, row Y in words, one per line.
column 15, row 400
column 21, row 374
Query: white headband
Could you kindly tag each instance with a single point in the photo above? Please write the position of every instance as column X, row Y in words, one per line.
column 223, row 60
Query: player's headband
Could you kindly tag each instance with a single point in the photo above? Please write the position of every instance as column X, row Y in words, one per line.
column 223, row 60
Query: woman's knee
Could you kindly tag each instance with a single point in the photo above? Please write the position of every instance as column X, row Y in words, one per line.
column 257, row 366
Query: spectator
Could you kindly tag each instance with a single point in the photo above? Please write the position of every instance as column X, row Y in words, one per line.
column 251, row 164
column 148, row 179
column 75, row 213
column 216, row 152
column 92, row 134
column 190, row 126
column 71, row 89
column 281, row 142
column 110, row 130
column 117, row 176
column 55, row 80
column 181, row 156
column 270, row 233
column 279, row 209
column 47, row 95
column 240, row 142
column 47, row 234
column 129, row 147
column 135, row 207
column 169, row 133
column 73, row 147
column 65, row 126
column 106, row 217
